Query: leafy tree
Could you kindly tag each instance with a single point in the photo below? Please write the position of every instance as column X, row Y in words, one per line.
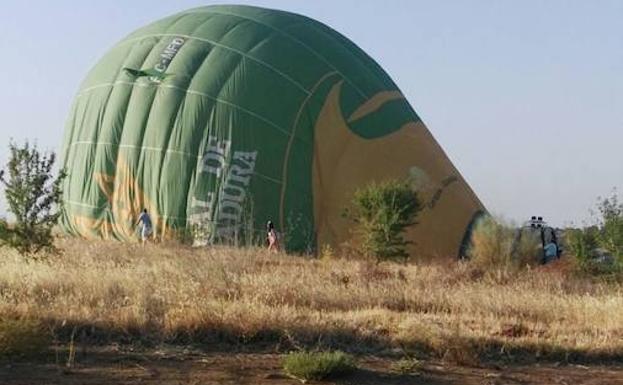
column 34, row 198
column 599, row 248
column 382, row 212
column 581, row 243
column 611, row 226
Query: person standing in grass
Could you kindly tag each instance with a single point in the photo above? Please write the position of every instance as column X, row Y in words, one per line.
column 146, row 227
column 551, row 252
column 271, row 236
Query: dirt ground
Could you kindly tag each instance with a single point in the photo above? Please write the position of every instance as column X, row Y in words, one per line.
column 111, row 366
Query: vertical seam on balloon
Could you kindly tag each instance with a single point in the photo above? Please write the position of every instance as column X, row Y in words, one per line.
column 296, row 40
column 69, row 154
column 107, row 101
column 123, row 124
column 155, row 202
column 161, row 170
column 200, row 125
column 284, row 175
column 224, row 86
column 67, row 142
column 142, row 140
column 220, row 45
column 183, row 103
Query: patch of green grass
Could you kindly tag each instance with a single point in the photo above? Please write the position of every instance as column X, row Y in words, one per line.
column 407, row 366
column 20, row 337
column 306, row 366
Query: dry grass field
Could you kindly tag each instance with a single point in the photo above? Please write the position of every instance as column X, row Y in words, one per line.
column 108, row 292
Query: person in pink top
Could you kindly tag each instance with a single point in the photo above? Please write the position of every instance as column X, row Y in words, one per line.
column 271, row 236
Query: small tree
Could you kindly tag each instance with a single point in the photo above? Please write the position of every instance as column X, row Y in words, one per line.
column 581, row 243
column 34, row 198
column 611, row 234
column 599, row 248
column 382, row 212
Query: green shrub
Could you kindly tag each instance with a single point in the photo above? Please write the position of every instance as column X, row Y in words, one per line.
column 598, row 249
column 581, row 243
column 34, row 198
column 382, row 212
column 407, row 366
column 22, row 337
column 611, row 227
column 307, row 366
column 4, row 230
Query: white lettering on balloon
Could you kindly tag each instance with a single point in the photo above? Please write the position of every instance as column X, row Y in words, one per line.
column 222, row 210
column 166, row 56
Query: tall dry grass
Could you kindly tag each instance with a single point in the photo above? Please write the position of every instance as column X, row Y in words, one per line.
column 119, row 292
column 500, row 245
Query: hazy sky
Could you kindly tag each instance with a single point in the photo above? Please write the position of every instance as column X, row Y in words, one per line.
column 526, row 97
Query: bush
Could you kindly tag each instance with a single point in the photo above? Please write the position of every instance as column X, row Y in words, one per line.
column 4, row 230
column 22, row 337
column 492, row 243
column 527, row 247
column 307, row 366
column 34, row 198
column 382, row 212
column 598, row 249
column 407, row 366
column 581, row 244
column 496, row 244
column 611, row 227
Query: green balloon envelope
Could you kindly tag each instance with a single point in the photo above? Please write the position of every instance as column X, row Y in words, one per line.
column 221, row 118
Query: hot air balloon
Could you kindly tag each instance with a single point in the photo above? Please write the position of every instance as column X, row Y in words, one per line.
column 221, row 118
